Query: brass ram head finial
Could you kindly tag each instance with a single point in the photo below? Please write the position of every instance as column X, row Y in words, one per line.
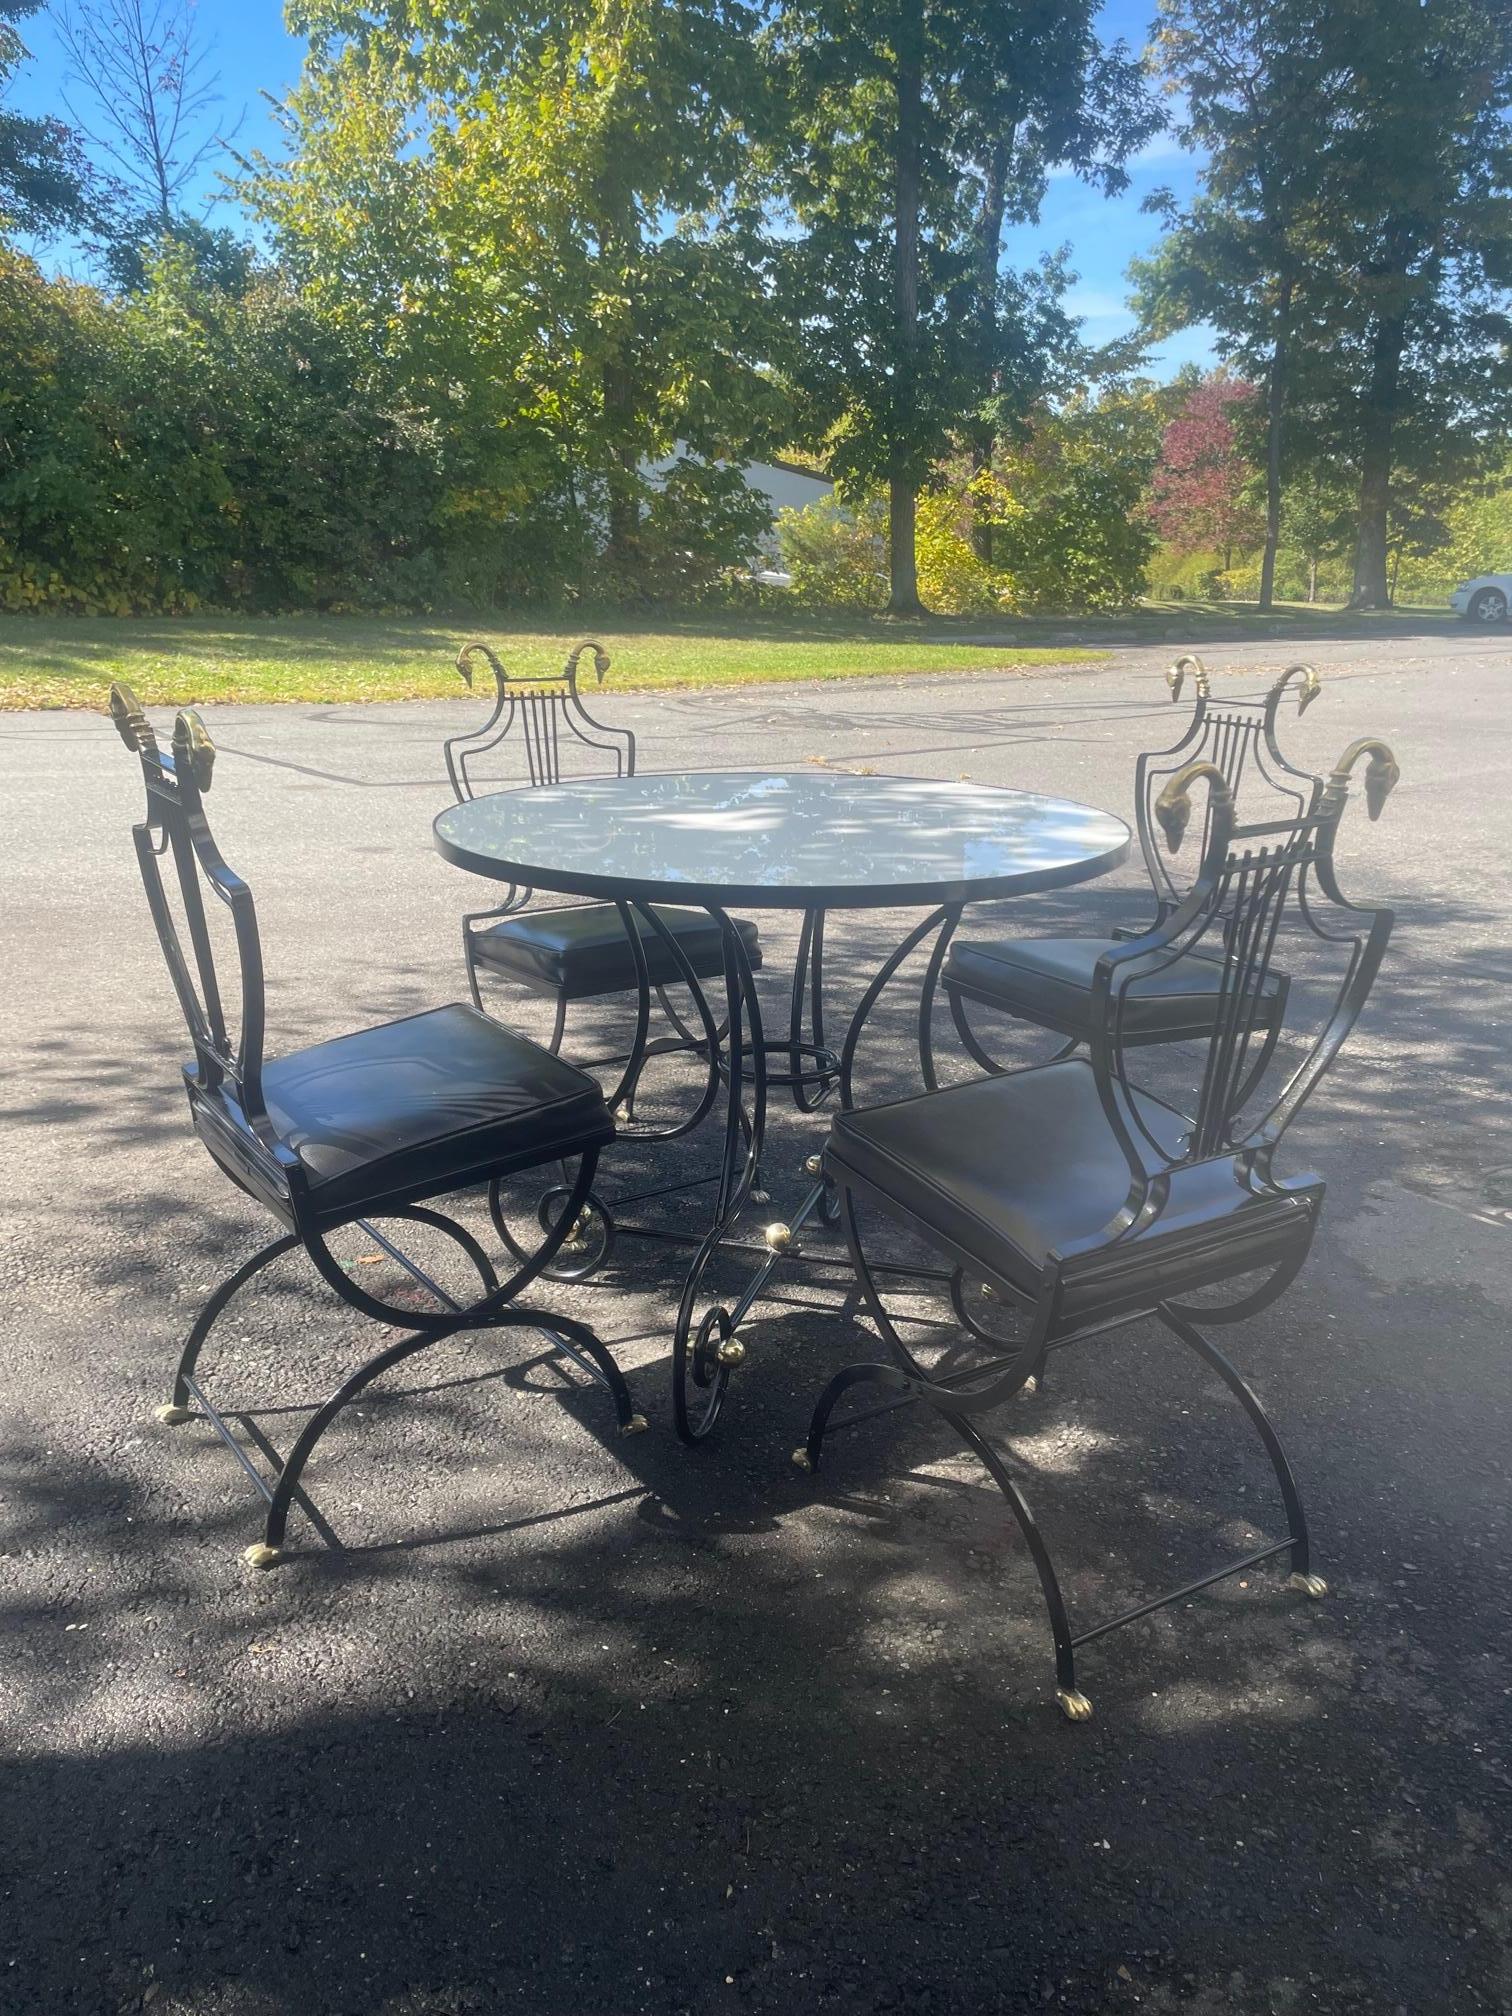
column 1173, row 808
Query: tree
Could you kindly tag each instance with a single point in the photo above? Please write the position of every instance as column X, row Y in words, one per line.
column 874, row 280
column 1037, row 89
column 544, row 223
column 1318, row 521
column 915, row 130
column 145, row 93
column 1420, row 181
column 41, row 169
column 1199, row 492
column 185, row 448
column 1071, row 535
column 1258, row 85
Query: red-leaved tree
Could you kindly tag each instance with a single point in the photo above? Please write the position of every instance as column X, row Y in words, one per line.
column 1198, row 500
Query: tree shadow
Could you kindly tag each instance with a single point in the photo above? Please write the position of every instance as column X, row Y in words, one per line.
column 576, row 1723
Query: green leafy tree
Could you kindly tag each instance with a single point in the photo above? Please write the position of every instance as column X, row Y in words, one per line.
column 1421, row 168
column 1071, row 535
column 1249, row 253
column 544, row 223
column 915, row 132
column 41, row 166
column 836, row 552
column 1477, row 523
column 1318, row 522
column 1062, row 498
column 1036, row 90
column 187, row 449
column 875, row 279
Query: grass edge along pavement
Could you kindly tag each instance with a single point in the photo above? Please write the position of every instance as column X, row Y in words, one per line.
column 69, row 661
column 178, row 661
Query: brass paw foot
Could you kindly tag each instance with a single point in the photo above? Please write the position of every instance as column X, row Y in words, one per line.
column 1073, row 1704
column 1309, row 1585
column 171, row 1416
column 802, row 1460
column 636, row 1425
column 261, row 1556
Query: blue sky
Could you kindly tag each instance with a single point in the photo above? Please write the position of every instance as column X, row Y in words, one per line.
column 255, row 53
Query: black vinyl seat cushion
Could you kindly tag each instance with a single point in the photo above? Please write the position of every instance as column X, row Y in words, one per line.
column 1048, row 981
column 584, row 951
column 428, row 1104
column 1013, row 1168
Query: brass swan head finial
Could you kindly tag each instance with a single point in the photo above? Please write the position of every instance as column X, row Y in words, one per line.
column 1176, row 674
column 465, row 669
column 1308, row 690
column 193, row 750
column 1173, row 808
column 130, row 720
column 1382, row 774
column 600, row 660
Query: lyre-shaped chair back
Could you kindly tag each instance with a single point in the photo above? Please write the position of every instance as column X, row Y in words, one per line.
column 176, row 830
column 1252, row 881
column 1238, row 737
column 544, row 712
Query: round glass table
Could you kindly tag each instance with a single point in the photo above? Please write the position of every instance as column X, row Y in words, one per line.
column 790, row 839
column 808, row 840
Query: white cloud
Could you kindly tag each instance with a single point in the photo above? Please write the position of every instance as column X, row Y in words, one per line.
column 1159, row 147
column 1095, row 304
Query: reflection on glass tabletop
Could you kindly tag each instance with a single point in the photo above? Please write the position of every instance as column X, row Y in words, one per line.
column 784, row 839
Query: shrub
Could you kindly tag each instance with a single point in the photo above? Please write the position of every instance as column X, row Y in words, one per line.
column 1067, row 534
column 953, row 579
column 192, row 449
column 699, row 520
column 836, row 553
column 1184, row 577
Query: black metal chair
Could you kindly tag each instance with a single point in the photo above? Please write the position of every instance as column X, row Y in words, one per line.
column 1077, row 1196
column 1048, row 982
column 580, row 951
column 365, row 1126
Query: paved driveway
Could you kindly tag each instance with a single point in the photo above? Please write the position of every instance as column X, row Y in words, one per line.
column 573, row 1725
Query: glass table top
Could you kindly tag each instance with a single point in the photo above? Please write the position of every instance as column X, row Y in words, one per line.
column 781, row 840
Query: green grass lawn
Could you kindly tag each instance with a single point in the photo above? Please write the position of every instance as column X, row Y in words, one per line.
column 70, row 662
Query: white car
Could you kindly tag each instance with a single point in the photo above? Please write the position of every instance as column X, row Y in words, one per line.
column 1486, row 599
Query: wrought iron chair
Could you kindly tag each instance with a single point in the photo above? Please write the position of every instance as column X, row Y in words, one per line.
column 580, row 951
column 1048, row 982
column 1088, row 1203
column 365, row 1126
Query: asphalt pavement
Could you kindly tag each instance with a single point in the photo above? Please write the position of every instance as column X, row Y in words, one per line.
column 571, row 1724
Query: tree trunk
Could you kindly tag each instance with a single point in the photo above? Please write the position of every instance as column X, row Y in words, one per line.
column 981, row 433
column 1312, row 580
column 903, row 572
column 903, row 577
column 1370, row 586
column 1275, row 411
